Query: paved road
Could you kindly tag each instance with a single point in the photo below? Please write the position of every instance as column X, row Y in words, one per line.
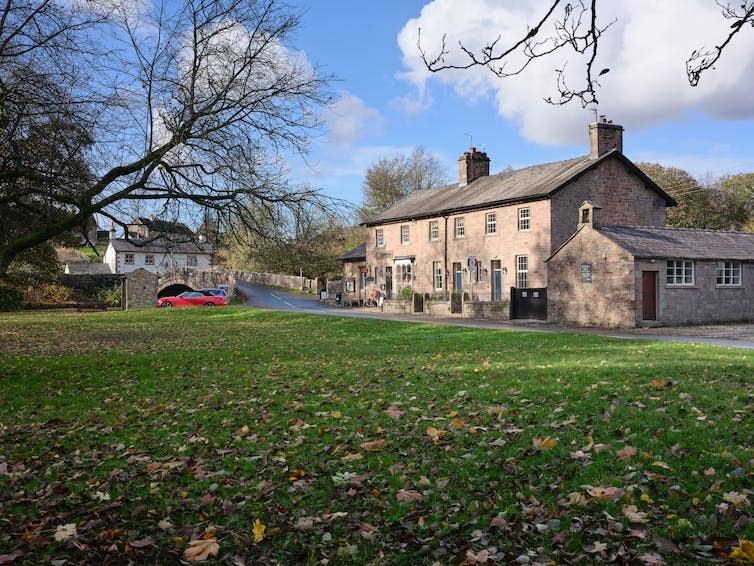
column 732, row 335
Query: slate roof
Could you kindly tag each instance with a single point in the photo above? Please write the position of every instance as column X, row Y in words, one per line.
column 163, row 226
column 521, row 185
column 359, row 252
column 682, row 243
column 157, row 246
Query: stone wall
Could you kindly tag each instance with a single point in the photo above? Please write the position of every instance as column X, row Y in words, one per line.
column 279, row 280
column 139, row 289
column 591, row 283
column 490, row 310
column 705, row 301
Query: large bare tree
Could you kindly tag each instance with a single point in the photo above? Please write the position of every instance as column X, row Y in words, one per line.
column 112, row 107
column 391, row 178
column 570, row 26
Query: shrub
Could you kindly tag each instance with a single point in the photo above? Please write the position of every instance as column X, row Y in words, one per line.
column 112, row 297
column 406, row 293
column 11, row 297
column 49, row 294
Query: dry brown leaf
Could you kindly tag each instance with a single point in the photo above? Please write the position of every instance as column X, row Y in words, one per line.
column 408, row 495
column 394, row 412
column 148, row 541
column 544, row 443
column 200, row 550
column 457, row 423
column 626, row 453
column 606, row 492
column 373, row 446
column 633, row 514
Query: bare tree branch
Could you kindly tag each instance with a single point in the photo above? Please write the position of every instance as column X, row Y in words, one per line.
column 569, row 32
column 703, row 60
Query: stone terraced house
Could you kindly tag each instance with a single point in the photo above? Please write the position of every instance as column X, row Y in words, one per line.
column 487, row 237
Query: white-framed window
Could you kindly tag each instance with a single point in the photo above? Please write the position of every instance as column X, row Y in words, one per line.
column 522, row 271
column 191, row 260
column 680, row 272
column 405, row 234
column 490, row 223
column 404, row 274
column 128, row 259
column 434, row 230
column 379, row 237
column 459, row 228
column 524, row 219
column 437, row 274
column 729, row 273
column 149, row 259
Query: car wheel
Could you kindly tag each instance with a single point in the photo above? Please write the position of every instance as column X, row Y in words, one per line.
column 208, row 304
column 167, row 304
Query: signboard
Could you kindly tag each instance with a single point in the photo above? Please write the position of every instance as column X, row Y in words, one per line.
column 586, row 272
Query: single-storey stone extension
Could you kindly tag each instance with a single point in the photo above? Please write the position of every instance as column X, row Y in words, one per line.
column 626, row 276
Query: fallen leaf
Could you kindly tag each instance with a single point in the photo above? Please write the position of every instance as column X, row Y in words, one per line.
column 457, row 423
column 148, row 541
column 65, row 532
column 435, row 434
column 258, row 530
column 744, row 552
column 544, row 443
column 606, row 492
column 408, row 495
column 394, row 412
column 626, row 453
column 373, row 446
column 737, row 499
column 8, row 558
column 367, row 531
column 633, row 514
column 200, row 550
column 652, row 558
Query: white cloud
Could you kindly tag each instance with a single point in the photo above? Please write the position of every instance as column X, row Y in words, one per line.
column 349, row 119
column 645, row 50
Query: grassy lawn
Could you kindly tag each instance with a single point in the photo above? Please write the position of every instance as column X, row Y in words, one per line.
column 255, row 437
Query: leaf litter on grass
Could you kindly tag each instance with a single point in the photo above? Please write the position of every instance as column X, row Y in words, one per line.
column 496, row 448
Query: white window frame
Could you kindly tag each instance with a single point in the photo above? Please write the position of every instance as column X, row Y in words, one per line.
column 437, row 274
column 129, row 259
column 524, row 219
column 191, row 261
column 522, row 271
column 434, row 230
column 728, row 273
column 149, row 259
column 405, row 234
column 404, row 269
column 379, row 238
column 490, row 223
column 680, row 273
column 459, row 228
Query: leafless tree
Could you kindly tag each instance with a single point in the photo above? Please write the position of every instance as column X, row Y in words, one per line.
column 187, row 105
column 390, row 179
column 569, row 26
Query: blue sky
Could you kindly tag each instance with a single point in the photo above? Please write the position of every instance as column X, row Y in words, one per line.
column 386, row 103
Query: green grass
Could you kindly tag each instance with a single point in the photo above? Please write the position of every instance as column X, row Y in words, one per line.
column 91, row 255
column 364, row 441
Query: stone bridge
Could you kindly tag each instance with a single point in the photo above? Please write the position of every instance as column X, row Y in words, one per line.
column 141, row 286
column 178, row 280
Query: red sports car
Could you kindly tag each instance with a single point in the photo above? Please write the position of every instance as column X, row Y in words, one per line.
column 192, row 299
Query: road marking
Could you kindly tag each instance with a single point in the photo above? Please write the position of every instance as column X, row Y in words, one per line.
column 282, row 301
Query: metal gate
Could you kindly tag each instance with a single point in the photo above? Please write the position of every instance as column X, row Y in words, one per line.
column 529, row 303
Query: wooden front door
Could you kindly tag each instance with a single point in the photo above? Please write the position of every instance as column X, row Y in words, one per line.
column 649, row 295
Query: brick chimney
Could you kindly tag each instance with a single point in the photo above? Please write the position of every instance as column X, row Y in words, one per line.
column 604, row 136
column 472, row 165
